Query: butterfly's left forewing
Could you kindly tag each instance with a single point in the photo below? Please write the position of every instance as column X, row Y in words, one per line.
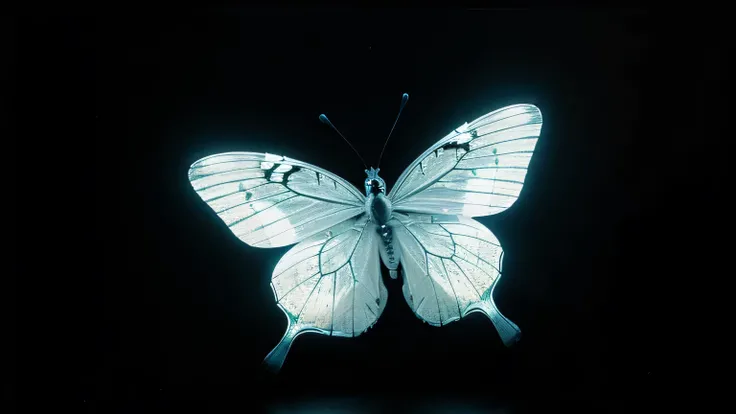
column 272, row 201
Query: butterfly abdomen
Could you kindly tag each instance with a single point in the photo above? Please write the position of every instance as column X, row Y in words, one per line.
column 389, row 251
column 380, row 211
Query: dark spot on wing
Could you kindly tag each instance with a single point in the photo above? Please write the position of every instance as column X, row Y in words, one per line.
column 288, row 173
column 451, row 145
column 268, row 172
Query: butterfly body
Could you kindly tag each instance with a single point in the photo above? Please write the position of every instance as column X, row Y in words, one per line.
column 329, row 281
column 379, row 208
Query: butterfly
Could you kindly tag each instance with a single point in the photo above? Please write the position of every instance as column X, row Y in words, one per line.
column 423, row 230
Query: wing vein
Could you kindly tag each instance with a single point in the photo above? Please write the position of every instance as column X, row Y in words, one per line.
column 398, row 207
column 492, row 277
column 226, row 182
column 490, row 168
column 482, row 178
column 474, row 192
column 299, row 211
column 502, row 142
column 434, row 288
column 357, row 204
column 479, row 258
column 426, row 268
column 466, row 277
column 296, row 286
column 248, row 201
column 298, row 317
column 352, row 273
column 449, row 280
column 259, row 212
column 465, row 235
column 238, row 191
column 334, row 293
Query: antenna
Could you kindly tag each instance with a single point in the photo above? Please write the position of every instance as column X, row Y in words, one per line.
column 324, row 120
column 404, row 99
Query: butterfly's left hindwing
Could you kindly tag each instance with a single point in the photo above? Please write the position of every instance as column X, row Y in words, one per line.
column 330, row 283
column 450, row 265
column 272, row 201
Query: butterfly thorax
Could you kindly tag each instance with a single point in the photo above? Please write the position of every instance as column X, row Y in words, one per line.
column 378, row 207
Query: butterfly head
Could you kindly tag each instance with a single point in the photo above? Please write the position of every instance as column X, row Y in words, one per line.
column 374, row 184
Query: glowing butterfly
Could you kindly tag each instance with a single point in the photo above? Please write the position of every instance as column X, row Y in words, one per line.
column 330, row 282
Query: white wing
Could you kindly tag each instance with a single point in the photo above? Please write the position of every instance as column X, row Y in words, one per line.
column 451, row 265
column 477, row 170
column 272, row 201
column 330, row 283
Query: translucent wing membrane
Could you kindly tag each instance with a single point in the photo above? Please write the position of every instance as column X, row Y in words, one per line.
column 451, row 265
column 272, row 201
column 330, row 283
column 477, row 170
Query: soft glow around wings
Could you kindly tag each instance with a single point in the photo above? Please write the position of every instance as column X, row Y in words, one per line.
column 330, row 283
column 477, row 170
column 451, row 265
column 270, row 201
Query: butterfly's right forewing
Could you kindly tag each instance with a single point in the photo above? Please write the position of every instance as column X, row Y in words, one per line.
column 477, row 170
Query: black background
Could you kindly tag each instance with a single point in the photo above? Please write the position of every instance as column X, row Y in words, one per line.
column 161, row 304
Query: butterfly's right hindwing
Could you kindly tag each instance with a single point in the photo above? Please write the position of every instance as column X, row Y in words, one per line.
column 272, row 201
column 330, row 283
